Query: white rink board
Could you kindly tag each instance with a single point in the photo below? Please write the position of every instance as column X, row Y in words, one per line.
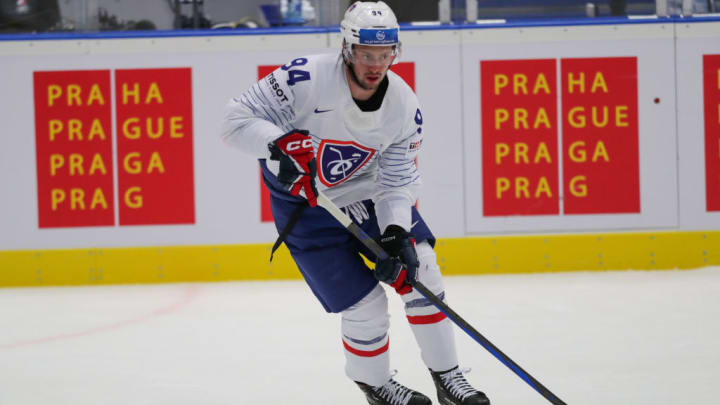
column 652, row 45
column 225, row 211
column 694, row 41
column 438, row 84
column 446, row 67
column 226, row 181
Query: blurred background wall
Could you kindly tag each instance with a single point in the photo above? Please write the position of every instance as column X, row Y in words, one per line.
column 107, row 15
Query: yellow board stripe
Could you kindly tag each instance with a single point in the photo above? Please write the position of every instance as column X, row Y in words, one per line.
column 573, row 252
column 456, row 256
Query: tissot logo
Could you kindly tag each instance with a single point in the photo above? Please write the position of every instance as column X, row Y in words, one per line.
column 339, row 160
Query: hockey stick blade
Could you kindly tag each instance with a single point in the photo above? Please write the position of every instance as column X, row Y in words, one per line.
column 370, row 243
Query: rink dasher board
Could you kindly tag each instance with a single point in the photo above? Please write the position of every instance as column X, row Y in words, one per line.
column 226, row 184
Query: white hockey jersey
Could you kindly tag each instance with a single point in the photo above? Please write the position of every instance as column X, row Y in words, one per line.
column 360, row 155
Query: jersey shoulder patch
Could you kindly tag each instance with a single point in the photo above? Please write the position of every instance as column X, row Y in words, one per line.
column 275, row 85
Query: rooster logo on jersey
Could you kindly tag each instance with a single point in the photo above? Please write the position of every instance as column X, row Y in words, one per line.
column 338, row 160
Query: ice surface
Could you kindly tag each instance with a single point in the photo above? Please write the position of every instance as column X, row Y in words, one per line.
column 593, row 338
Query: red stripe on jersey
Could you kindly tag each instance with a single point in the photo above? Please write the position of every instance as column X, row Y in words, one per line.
column 366, row 353
column 426, row 319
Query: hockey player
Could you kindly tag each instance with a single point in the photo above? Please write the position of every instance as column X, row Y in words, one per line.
column 356, row 126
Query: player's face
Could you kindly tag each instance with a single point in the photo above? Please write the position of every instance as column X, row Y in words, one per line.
column 371, row 64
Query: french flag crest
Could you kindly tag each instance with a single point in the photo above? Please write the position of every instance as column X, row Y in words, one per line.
column 338, row 160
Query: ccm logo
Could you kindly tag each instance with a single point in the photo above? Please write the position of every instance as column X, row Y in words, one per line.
column 294, row 145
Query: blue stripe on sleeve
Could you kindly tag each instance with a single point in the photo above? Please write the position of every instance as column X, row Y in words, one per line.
column 265, row 101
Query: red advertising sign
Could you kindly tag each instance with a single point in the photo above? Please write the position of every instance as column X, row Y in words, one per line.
column 711, row 89
column 519, row 137
column 600, row 135
column 265, row 210
column 155, row 146
column 406, row 70
column 73, row 138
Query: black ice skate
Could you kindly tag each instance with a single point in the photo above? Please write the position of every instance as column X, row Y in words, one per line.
column 453, row 389
column 393, row 393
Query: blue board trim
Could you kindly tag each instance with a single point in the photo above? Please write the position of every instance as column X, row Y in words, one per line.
column 509, row 23
column 44, row 36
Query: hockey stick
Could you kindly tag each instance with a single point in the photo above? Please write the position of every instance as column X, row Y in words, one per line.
column 370, row 243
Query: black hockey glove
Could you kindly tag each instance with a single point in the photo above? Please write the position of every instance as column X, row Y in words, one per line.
column 298, row 167
column 400, row 269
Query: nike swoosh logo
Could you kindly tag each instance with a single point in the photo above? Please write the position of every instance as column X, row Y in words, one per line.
column 319, row 111
column 413, row 224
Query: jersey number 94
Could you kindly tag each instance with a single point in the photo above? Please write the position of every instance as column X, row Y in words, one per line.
column 296, row 75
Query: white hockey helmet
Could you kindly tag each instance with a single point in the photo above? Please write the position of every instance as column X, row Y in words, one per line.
column 370, row 23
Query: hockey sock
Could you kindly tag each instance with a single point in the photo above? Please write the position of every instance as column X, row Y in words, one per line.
column 365, row 339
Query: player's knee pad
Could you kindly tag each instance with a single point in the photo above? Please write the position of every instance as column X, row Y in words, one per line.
column 365, row 324
column 429, row 271
column 416, row 305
